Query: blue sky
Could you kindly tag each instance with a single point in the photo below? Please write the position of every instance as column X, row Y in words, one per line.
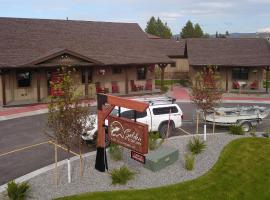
column 220, row 15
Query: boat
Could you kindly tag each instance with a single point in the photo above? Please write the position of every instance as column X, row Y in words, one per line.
column 246, row 116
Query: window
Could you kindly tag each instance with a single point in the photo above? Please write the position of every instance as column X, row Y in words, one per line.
column 116, row 70
column 173, row 64
column 24, row 78
column 240, row 73
column 89, row 76
column 129, row 114
column 165, row 110
column 141, row 73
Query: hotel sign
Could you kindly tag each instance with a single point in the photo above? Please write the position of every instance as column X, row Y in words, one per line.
column 129, row 134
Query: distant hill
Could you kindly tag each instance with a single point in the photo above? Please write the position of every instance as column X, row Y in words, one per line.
column 237, row 35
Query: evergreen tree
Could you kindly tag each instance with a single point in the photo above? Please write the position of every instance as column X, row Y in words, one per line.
column 187, row 30
column 158, row 28
column 151, row 27
column 198, row 33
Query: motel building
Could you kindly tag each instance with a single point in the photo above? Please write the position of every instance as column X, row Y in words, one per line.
column 108, row 57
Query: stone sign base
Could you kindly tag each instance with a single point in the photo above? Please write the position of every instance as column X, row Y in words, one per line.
column 161, row 158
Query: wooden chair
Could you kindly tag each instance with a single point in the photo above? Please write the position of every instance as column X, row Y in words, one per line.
column 235, row 85
column 115, row 88
column 254, row 85
column 148, row 84
column 133, row 86
column 99, row 89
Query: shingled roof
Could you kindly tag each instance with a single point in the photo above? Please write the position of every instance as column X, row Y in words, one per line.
column 24, row 41
column 228, row 52
column 169, row 47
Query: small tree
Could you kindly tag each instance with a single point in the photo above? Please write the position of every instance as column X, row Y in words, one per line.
column 66, row 117
column 206, row 93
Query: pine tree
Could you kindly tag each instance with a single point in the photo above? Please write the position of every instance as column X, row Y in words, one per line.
column 158, row 28
column 198, row 33
column 187, row 30
column 151, row 27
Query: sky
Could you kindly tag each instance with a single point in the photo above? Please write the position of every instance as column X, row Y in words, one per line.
column 212, row 15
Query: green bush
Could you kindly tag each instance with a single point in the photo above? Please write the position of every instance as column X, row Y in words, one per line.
column 121, row 176
column 154, row 140
column 196, row 145
column 189, row 161
column 164, row 88
column 116, row 152
column 236, row 130
column 18, row 191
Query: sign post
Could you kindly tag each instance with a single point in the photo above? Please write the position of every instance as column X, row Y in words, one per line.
column 132, row 137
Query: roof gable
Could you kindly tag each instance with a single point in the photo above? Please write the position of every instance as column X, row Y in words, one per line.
column 23, row 41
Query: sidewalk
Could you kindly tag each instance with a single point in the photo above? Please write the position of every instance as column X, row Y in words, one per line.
column 181, row 94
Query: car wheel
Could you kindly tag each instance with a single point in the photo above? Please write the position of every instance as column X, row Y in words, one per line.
column 246, row 126
column 163, row 129
column 107, row 140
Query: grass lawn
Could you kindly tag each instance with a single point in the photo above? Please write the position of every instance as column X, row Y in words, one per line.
column 242, row 172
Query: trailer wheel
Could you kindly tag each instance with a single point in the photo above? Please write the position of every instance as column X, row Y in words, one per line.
column 246, row 126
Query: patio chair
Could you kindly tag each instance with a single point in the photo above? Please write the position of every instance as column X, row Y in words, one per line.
column 115, row 88
column 99, row 89
column 133, row 86
column 235, row 85
column 254, row 85
column 148, row 84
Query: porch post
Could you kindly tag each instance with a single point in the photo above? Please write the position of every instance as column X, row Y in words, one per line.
column 86, row 81
column 267, row 79
column 38, row 85
column 126, row 81
column 227, row 80
column 162, row 67
column 3, row 88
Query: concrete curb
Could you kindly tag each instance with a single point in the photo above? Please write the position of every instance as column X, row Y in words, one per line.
column 45, row 169
column 229, row 101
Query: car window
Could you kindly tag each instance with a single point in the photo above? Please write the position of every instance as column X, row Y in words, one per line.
column 165, row 110
column 129, row 114
column 114, row 112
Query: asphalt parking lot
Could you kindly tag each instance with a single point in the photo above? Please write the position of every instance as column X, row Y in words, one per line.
column 25, row 148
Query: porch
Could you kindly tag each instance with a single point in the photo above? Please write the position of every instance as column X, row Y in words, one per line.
column 28, row 86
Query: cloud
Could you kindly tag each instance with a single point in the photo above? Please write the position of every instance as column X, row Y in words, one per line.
column 170, row 16
column 263, row 30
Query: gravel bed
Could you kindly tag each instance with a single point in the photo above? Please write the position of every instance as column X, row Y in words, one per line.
column 43, row 186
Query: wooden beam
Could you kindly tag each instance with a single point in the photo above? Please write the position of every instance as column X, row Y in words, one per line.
column 162, row 67
column 86, row 72
column 267, row 79
column 4, row 89
column 38, row 86
column 127, row 103
column 126, row 81
column 227, row 80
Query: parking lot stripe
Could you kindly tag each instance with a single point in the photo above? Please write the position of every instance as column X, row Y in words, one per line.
column 184, row 131
column 23, row 148
column 64, row 148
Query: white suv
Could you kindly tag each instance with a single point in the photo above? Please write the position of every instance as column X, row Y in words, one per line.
column 156, row 116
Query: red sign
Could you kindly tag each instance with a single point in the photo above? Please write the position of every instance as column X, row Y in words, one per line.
column 138, row 157
column 129, row 134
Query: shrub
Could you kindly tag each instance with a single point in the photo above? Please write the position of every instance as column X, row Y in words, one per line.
column 121, row 176
column 266, row 133
column 154, row 141
column 18, row 191
column 196, row 145
column 116, row 152
column 236, row 130
column 164, row 88
column 253, row 132
column 189, row 161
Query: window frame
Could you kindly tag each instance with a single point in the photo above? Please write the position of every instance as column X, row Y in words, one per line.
column 29, row 79
column 90, row 76
column 139, row 77
column 242, row 74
